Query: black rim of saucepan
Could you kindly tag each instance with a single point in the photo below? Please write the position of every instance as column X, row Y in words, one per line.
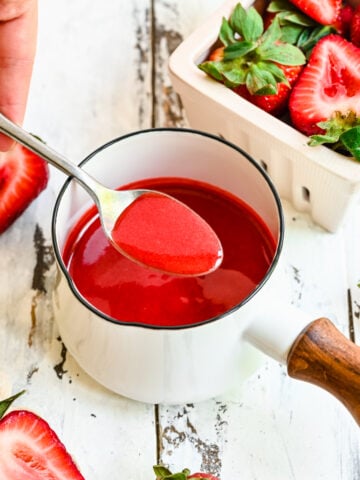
column 170, row 327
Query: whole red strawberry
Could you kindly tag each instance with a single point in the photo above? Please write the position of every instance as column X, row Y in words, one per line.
column 355, row 27
column 276, row 103
column 324, row 12
column 30, row 449
column 163, row 473
column 23, row 175
column 255, row 62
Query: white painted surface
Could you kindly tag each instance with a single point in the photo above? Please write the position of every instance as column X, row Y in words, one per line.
column 93, row 81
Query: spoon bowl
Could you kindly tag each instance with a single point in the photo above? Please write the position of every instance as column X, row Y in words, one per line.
column 149, row 227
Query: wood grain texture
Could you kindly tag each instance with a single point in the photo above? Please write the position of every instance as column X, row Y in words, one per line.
column 101, row 71
column 323, row 356
column 267, row 423
column 91, row 83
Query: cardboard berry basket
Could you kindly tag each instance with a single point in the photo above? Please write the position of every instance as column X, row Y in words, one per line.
column 314, row 179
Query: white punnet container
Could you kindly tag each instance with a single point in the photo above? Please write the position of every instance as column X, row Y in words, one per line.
column 314, row 179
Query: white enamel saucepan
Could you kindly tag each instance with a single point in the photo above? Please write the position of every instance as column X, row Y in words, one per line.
column 196, row 362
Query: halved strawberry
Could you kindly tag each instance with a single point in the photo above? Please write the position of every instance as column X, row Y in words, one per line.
column 255, row 62
column 23, row 175
column 325, row 101
column 203, row 476
column 163, row 473
column 324, row 11
column 30, row 449
column 329, row 83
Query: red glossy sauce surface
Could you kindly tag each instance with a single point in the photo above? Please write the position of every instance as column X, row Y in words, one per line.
column 160, row 232
column 129, row 292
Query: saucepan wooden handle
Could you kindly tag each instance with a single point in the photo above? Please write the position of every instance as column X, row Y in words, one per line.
column 325, row 357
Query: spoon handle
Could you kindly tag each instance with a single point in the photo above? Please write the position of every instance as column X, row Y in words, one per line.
column 323, row 356
column 29, row 141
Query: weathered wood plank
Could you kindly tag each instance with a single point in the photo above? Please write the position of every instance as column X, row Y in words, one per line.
column 352, row 252
column 270, row 426
column 91, row 83
column 173, row 21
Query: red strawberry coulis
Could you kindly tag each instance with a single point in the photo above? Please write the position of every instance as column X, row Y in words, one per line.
column 162, row 233
column 129, row 292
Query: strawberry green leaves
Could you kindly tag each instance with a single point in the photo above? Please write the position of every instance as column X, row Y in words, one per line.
column 251, row 55
column 297, row 28
column 272, row 48
column 351, row 141
column 289, row 14
column 238, row 50
column 342, row 132
column 5, row 404
column 163, row 473
column 324, row 12
column 227, row 34
column 263, row 81
column 247, row 23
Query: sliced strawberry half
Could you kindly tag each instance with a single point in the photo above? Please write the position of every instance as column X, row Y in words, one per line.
column 329, row 83
column 203, row 476
column 325, row 12
column 31, row 450
column 23, row 175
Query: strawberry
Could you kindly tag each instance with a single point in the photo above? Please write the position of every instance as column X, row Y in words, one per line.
column 203, row 476
column 23, row 175
column 255, row 62
column 162, row 473
column 330, row 82
column 324, row 12
column 355, row 27
column 217, row 55
column 325, row 101
column 274, row 104
column 30, row 449
column 298, row 28
column 343, row 22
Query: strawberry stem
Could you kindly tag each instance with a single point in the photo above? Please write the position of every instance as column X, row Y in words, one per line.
column 252, row 55
column 5, row 404
column 163, row 473
column 341, row 133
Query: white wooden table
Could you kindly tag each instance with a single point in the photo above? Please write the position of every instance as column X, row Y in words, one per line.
column 101, row 72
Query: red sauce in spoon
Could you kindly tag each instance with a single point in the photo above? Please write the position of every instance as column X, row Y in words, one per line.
column 163, row 233
column 129, row 292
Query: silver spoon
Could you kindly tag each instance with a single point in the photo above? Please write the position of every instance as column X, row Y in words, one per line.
column 111, row 205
